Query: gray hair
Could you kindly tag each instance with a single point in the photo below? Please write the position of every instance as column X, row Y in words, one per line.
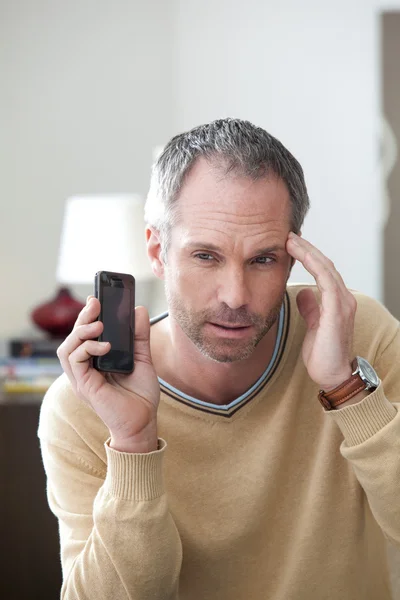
column 237, row 147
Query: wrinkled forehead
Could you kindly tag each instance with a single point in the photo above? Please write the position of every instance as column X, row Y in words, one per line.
column 210, row 192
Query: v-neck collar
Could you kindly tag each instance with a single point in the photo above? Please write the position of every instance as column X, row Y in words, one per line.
column 227, row 410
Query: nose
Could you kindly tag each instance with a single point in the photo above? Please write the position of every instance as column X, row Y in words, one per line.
column 233, row 289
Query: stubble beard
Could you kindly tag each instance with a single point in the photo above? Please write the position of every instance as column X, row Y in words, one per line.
column 221, row 350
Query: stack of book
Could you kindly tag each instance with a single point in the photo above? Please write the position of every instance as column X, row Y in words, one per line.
column 30, row 366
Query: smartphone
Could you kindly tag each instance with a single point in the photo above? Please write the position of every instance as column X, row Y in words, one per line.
column 116, row 292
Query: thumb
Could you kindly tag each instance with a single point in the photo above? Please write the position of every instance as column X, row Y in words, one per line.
column 308, row 307
column 142, row 335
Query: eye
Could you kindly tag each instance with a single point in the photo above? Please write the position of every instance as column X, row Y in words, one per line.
column 264, row 260
column 204, row 256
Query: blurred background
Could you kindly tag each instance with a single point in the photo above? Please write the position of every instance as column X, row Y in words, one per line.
column 92, row 88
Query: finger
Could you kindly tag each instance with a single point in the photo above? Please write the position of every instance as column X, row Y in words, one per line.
column 89, row 313
column 79, row 361
column 304, row 247
column 142, row 335
column 338, row 307
column 336, row 298
column 308, row 307
column 316, row 263
column 79, row 334
column 334, row 305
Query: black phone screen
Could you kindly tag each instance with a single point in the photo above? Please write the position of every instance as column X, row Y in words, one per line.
column 116, row 292
column 116, row 317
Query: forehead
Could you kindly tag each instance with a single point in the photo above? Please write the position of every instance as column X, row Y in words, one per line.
column 212, row 201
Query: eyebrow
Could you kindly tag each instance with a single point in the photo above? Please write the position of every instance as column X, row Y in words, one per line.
column 214, row 248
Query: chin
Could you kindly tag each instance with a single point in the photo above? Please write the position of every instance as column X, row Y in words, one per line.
column 225, row 356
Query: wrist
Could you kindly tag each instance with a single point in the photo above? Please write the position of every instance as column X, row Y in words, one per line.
column 133, row 446
column 141, row 443
column 353, row 390
column 355, row 400
column 339, row 380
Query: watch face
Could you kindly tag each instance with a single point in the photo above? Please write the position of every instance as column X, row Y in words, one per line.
column 367, row 372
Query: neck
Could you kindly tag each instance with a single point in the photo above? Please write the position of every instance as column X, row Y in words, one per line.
column 197, row 375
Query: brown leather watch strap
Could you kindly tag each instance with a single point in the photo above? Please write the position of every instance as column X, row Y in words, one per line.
column 342, row 393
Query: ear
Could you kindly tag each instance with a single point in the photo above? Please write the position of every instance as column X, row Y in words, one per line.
column 154, row 251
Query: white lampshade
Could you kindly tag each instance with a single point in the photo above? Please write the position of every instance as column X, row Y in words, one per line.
column 102, row 233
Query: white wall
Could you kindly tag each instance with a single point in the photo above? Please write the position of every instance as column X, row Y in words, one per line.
column 307, row 72
column 86, row 95
column 90, row 87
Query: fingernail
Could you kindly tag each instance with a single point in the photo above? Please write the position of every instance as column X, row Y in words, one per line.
column 88, row 299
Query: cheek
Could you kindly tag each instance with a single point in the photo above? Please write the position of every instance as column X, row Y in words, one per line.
column 184, row 280
column 197, row 289
column 267, row 288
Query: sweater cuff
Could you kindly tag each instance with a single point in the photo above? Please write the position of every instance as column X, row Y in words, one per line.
column 359, row 422
column 136, row 477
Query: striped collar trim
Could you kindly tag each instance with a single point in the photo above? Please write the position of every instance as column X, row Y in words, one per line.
column 227, row 410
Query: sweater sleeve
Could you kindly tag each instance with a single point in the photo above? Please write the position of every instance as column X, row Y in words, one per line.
column 371, row 431
column 117, row 536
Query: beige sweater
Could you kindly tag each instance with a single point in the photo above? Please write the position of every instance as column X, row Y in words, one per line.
column 267, row 498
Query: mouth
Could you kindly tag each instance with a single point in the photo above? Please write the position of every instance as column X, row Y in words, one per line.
column 230, row 326
column 229, row 330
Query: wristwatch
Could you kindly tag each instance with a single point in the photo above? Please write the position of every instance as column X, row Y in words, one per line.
column 363, row 378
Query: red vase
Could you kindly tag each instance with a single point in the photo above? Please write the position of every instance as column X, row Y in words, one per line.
column 58, row 316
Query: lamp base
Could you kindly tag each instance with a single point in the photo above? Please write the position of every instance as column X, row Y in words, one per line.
column 57, row 317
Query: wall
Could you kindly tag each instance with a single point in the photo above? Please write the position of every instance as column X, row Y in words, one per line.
column 86, row 95
column 90, row 88
column 391, row 103
column 307, row 72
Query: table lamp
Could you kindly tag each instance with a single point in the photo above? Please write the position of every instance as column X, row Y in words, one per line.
column 100, row 233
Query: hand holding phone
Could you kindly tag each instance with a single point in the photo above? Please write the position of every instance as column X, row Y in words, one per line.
column 126, row 403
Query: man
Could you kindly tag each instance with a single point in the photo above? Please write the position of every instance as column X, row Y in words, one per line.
column 268, row 466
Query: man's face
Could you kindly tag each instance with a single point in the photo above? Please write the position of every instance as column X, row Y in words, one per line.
column 227, row 265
